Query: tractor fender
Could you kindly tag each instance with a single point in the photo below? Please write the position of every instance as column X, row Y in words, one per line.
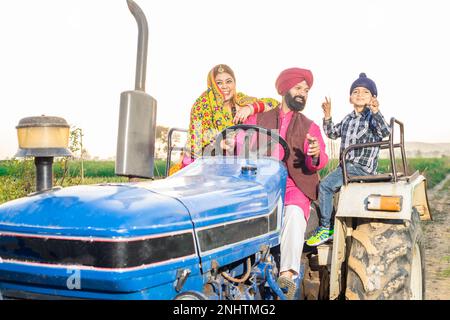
column 353, row 199
column 353, row 204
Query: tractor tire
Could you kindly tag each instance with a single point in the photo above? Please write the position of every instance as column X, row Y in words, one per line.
column 386, row 260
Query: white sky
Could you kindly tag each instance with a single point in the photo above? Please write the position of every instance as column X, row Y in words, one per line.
column 73, row 58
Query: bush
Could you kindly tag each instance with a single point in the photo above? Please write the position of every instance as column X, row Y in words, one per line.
column 434, row 169
column 18, row 179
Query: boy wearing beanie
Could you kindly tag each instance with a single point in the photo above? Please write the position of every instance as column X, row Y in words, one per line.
column 364, row 124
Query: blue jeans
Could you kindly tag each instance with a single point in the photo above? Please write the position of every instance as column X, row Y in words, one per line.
column 330, row 185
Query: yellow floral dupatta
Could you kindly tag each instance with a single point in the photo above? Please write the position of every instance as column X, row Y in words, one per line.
column 209, row 117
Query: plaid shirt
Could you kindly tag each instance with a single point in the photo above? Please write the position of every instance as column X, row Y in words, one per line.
column 359, row 128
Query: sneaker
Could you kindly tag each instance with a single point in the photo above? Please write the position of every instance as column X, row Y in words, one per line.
column 321, row 235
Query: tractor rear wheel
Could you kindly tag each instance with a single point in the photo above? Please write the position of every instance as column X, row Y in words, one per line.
column 386, row 260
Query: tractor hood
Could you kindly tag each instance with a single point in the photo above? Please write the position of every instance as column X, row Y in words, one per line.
column 135, row 236
column 206, row 192
column 109, row 227
column 215, row 190
column 95, row 211
column 232, row 201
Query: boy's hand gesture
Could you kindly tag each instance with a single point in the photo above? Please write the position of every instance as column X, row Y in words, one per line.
column 326, row 107
column 374, row 105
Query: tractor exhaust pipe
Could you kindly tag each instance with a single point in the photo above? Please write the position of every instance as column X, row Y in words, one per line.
column 141, row 61
column 137, row 115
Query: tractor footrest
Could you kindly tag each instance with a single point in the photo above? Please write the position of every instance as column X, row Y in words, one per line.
column 324, row 252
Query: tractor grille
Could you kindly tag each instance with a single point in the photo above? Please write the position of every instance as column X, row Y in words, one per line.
column 229, row 233
column 98, row 253
column 23, row 295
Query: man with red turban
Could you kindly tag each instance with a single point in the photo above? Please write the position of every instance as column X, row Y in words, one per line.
column 307, row 157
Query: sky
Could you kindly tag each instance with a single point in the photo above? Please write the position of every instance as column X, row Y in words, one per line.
column 73, row 58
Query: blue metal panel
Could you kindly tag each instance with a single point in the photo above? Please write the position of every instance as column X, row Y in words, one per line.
column 97, row 280
column 95, row 211
column 216, row 193
column 107, row 211
column 229, row 254
column 164, row 291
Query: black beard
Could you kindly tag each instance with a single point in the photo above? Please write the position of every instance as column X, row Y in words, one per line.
column 293, row 104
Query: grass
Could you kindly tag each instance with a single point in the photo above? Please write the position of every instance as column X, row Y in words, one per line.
column 91, row 168
column 17, row 177
column 12, row 188
column 434, row 169
column 446, row 271
column 446, row 185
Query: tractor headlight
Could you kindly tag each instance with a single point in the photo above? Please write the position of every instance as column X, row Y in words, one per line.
column 378, row 202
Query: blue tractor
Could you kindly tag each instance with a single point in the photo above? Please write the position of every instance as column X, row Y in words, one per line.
column 207, row 232
column 203, row 233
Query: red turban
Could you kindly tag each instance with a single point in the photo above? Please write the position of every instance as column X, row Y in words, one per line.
column 290, row 77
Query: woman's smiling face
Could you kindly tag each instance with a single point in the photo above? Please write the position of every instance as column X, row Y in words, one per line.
column 227, row 84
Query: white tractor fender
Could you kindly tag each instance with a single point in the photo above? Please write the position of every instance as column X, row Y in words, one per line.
column 353, row 198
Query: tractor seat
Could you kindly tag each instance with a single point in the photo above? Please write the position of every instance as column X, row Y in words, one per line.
column 382, row 177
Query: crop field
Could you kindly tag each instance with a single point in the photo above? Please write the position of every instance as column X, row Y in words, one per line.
column 434, row 169
column 17, row 177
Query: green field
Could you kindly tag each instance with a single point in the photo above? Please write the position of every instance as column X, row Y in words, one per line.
column 92, row 169
column 17, row 177
column 434, row 169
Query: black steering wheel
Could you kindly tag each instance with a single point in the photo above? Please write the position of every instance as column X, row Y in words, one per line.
column 272, row 135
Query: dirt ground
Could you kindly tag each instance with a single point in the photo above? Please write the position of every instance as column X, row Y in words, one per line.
column 437, row 243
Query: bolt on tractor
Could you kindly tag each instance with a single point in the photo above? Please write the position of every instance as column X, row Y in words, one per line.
column 210, row 231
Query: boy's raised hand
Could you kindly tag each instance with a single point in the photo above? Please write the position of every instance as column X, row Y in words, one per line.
column 374, row 105
column 326, row 107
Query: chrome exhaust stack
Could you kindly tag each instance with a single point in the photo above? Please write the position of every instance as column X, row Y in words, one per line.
column 137, row 115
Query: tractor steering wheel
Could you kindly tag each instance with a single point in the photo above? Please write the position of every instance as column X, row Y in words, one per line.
column 272, row 135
